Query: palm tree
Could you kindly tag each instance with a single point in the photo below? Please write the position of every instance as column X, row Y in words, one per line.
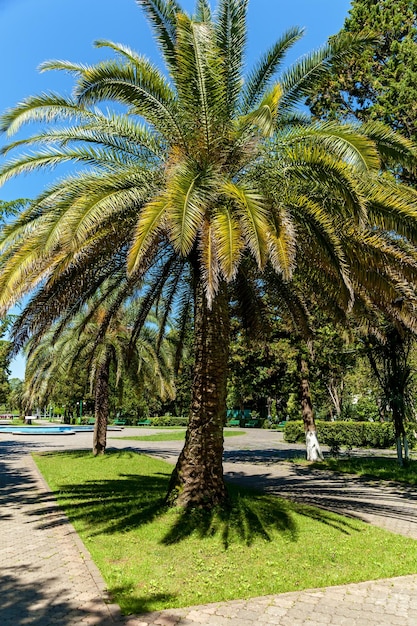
column 146, row 361
column 207, row 173
column 49, row 368
column 58, row 353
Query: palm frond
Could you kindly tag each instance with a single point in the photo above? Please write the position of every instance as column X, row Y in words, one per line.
column 162, row 15
column 252, row 213
column 199, row 80
column 65, row 66
column 230, row 244
column 282, row 244
column 203, row 11
column 231, row 40
column 259, row 78
column 185, row 209
column 346, row 143
column 140, row 86
column 394, row 148
column 328, row 239
column 148, row 226
column 209, row 262
column 300, row 79
column 265, row 115
column 43, row 108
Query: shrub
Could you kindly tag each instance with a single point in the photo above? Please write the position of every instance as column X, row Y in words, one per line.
column 349, row 434
column 169, row 420
column 294, row 431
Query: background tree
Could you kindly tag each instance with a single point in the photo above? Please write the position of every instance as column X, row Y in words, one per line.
column 51, row 379
column 389, row 357
column 334, row 354
column 181, row 339
column 5, row 349
column 15, row 400
column 262, row 369
column 379, row 83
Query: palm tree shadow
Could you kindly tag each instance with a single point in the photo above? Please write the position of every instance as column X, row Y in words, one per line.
column 141, row 604
column 127, row 502
column 250, row 516
column 130, row 501
column 243, row 519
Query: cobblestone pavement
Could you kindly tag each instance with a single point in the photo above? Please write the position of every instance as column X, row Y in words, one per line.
column 47, row 576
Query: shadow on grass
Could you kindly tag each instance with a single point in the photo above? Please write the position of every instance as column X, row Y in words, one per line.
column 114, row 505
column 251, row 515
column 247, row 517
column 140, row 604
column 373, row 468
column 128, row 501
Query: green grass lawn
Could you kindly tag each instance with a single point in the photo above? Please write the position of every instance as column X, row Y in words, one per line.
column 379, row 468
column 152, row 557
column 174, row 436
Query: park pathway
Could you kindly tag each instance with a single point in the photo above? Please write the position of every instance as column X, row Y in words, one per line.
column 47, row 576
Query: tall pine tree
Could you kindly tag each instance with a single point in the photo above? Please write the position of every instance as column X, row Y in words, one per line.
column 379, row 83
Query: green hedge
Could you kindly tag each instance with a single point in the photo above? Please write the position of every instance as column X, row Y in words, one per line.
column 169, row 420
column 349, row 434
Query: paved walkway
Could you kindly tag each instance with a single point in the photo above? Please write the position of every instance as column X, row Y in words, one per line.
column 47, row 576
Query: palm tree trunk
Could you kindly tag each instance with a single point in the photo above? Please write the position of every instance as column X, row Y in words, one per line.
column 197, row 479
column 101, row 407
column 313, row 450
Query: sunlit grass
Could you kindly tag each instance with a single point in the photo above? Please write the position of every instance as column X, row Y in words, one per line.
column 153, row 557
column 173, row 436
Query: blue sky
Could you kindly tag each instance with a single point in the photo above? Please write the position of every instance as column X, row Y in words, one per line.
column 33, row 31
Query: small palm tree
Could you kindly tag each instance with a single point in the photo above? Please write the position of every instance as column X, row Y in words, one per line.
column 207, row 175
column 55, row 354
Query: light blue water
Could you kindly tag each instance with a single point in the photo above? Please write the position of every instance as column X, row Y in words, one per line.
column 49, row 430
column 38, row 430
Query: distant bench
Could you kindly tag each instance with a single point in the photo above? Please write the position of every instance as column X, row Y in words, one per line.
column 251, row 424
column 120, row 422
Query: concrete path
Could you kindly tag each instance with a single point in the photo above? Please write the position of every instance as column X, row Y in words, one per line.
column 47, row 576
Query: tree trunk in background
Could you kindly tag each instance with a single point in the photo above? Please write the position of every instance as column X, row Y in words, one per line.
column 398, row 411
column 336, row 395
column 312, row 444
column 389, row 360
column 197, row 479
column 101, row 407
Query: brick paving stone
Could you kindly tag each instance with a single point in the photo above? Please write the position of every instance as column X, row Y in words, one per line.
column 246, row 614
column 196, row 617
column 167, row 620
